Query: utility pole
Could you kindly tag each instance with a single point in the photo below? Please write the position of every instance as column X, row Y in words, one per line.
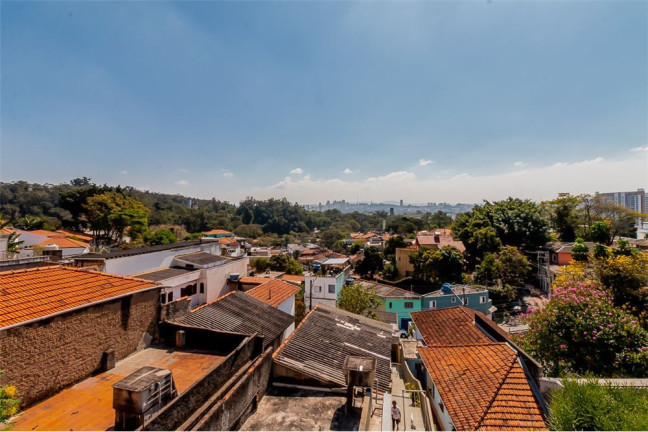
column 310, row 298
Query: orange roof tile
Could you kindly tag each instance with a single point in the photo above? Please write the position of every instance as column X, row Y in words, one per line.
column 292, row 278
column 483, row 387
column 227, row 241
column 63, row 242
column 218, row 231
column 450, row 326
column 274, row 292
column 253, row 280
column 39, row 292
column 78, row 235
column 45, row 233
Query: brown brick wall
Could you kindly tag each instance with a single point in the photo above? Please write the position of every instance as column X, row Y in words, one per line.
column 49, row 355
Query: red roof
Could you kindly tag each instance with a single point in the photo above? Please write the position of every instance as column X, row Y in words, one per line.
column 483, row 387
column 292, row 278
column 39, row 292
column 63, row 242
column 253, row 280
column 450, row 326
column 274, row 292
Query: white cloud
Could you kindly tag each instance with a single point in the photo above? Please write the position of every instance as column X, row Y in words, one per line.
column 519, row 164
column 228, row 173
column 347, row 171
column 123, row 172
column 182, row 182
column 297, row 171
column 537, row 183
column 424, row 162
column 640, row 149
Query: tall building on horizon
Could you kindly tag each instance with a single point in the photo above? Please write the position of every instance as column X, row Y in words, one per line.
column 634, row 201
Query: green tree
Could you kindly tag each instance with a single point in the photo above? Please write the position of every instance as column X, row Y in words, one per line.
column 110, row 213
column 580, row 250
column 160, row 237
column 392, row 243
column 330, row 237
column 260, row 264
column 600, row 233
column 435, row 220
column 249, row 231
column 285, row 263
column 370, row 264
column 358, row 300
column 563, row 216
column 439, row 265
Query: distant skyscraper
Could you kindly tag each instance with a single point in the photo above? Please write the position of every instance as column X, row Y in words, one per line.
column 391, row 211
column 634, row 201
column 401, row 203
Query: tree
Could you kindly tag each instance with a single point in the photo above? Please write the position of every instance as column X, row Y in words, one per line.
column 507, row 267
column 358, row 300
column 624, row 276
column 110, row 213
column 160, row 237
column 260, row 264
column 9, row 402
column 563, row 216
column 392, row 243
column 438, row 219
column 580, row 250
column 600, row 233
column 439, row 265
column 370, row 264
column 581, row 331
column 249, row 231
column 285, row 263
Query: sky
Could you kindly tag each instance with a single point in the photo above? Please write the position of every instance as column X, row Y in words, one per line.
column 324, row 100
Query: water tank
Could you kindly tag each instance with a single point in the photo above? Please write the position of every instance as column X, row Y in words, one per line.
column 446, row 288
column 235, row 276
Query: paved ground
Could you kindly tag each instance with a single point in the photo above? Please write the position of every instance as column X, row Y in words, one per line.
column 292, row 409
column 88, row 404
column 410, row 415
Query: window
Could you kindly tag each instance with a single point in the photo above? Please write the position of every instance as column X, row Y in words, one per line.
column 433, row 304
column 202, row 288
column 465, row 301
column 453, row 300
column 409, row 305
column 331, row 289
column 482, row 299
column 390, row 305
column 170, row 297
column 319, row 289
column 162, row 298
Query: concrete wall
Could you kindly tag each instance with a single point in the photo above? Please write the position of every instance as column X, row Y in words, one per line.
column 216, row 278
column 49, row 355
column 134, row 264
column 446, row 301
column 288, row 306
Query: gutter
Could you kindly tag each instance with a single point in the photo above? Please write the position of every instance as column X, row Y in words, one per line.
column 75, row 308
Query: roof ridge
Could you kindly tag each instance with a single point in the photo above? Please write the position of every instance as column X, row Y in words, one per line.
column 465, row 345
column 214, row 301
column 497, row 391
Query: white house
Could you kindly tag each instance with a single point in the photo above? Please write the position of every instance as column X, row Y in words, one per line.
column 325, row 285
column 279, row 294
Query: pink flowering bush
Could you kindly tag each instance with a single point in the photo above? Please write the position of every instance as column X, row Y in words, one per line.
column 581, row 331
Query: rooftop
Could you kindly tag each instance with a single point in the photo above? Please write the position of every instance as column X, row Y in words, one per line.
column 138, row 251
column 36, row 293
column 387, row 291
column 450, row 326
column 165, row 273
column 321, row 342
column 238, row 312
column 201, row 258
column 218, row 231
column 458, row 290
column 63, row 242
column 88, row 404
column 257, row 280
column 440, row 241
column 273, row 292
column 484, row 387
column 292, row 278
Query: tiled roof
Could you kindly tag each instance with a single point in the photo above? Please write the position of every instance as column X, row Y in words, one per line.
column 240, row 313
column 227, row 241
column 483, row 387
column 218, row 231
column 63, row 243
column 430, row 240
column 450, row 326
column 273, row 292
column 80, row 236
column 321, row 342
column 45, row 233
column 292, row 278
column 39, row 292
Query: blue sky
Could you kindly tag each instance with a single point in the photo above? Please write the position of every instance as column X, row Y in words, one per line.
column 422, row 101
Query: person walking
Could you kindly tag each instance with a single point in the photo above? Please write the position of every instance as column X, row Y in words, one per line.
column 396, row 416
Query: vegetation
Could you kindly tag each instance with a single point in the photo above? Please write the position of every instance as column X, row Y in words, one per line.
column 438, row 265
column 355, row 299
column 591, row 406
column 9, row 402
column 370, row 264
column 506, row 267
column 285, row 263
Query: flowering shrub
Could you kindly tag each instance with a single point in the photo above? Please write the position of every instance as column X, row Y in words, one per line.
column 581, row 331
column 8, row 402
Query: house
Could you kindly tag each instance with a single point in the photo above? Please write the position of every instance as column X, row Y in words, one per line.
column 560, row 253
column 218, row 233
column 64, row 322
column 404, row 266
column 439, row 238
column 314, row 354
column 395, row 300
column 67, row 246
column 238, row 313
column 325, row 285
column 474, row 376
column 278, row 294
column 476, row 298
column 293, row 279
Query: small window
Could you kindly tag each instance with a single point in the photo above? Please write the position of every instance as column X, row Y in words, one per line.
column 409, row 305
column 202, row 288
column 170, row 297
column 482, row 299
column 319, row 289
column 331, row 289
column 453, row 300
column 433, row 304
column 465, row 301
column 390, row 305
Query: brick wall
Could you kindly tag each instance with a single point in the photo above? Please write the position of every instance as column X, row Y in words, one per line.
column 49, row 355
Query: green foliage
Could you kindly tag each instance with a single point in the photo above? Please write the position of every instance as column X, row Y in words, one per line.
column 260, row 264
column 249, row 231
column 563, row 216
column 160, row 237
column 600, row 233
column 356, row 247
column 110, row 213
column 393, row 243
column 435, row 220
column 624, row 276
column 9, row 402
column 580, row 330
column 358, row 300
column 370, row 264
column 414, row 396
column 580, row 250
column 390, row 272
column 438, row 265
column 330, row 236
column 285, row 263
column 591, row 406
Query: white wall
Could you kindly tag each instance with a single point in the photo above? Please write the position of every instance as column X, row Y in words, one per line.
column 441, row 414
column 216, row 278
column 288, row 306
column 320, row 289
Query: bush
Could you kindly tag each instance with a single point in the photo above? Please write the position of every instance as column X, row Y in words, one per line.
column 581, row 331
column 9, row 402
column 591, row 406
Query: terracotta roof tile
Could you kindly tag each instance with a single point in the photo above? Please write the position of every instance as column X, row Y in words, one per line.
column 218, row 231
column 43, row 291
column 63, row 243
column 483, row 387
column 253, row 280
column 292, row 278
column 450, row 326
column 274, row 292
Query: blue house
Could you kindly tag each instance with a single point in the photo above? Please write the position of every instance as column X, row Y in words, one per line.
column 456, row 295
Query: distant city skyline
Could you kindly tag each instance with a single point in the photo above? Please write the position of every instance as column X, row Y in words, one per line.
column 316, row 101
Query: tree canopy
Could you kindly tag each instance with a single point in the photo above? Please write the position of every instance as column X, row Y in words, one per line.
column 358, row 300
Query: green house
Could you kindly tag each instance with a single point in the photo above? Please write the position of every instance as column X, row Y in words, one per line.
column 395, row 300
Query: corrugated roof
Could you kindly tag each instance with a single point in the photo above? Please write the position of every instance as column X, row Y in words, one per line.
column 201, row 258
column 165, row 273
column 450, row 326
column 319, row 346
column 39, row 292
column 238, row 312
column 484, row 387
column 273, row 292
column 138, row 251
